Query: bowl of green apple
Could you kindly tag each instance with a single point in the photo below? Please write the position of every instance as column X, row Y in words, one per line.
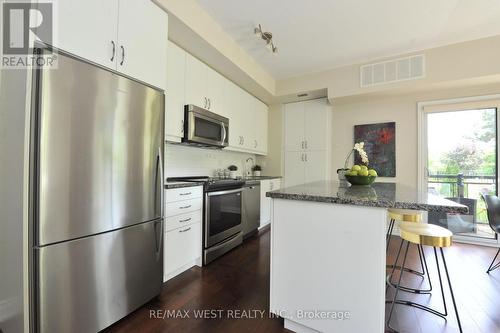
column 361, row 175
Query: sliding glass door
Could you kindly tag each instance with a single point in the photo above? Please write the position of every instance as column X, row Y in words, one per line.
column 461, row 157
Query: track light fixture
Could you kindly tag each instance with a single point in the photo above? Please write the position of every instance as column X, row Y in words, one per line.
column 267, row 37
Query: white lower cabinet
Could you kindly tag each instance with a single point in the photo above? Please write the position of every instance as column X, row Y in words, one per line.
column 182, row 249
column 265, row 202
column 183, row 230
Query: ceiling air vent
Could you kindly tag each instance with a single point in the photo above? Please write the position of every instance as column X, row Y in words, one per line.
column 401, row 69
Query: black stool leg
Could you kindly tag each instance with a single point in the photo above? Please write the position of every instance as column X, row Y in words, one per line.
column 397, row 287
column 451, row 290
column 389, row 233
column 389, row 278
column 492, row 268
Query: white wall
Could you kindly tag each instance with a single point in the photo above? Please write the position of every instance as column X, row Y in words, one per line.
column 399, row 108
column 181, row 160
column 272, row 163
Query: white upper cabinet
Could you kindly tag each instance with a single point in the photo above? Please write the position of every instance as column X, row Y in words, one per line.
column 175, row 93
column 129, row 36
column 142, row 41
column 196, row 82
column 215, row 92
column 204, row 87
column 261, row 126
column 88, row 29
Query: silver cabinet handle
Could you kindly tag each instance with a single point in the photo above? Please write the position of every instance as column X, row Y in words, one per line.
column 114, row 51
column 302, row 144
column 302, row 157
column 209, row 103
column 184, row 207
column 306, row 146
column 185, row 230
column 185, row 220
column 123, row 55
column 187, row 193
column 306, row 157
column 182, row 127
column 206, row 102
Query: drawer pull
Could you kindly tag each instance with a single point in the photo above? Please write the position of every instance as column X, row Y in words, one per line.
column 184, row 207
column 187, row 193
column 185, row 230
column 185, row 220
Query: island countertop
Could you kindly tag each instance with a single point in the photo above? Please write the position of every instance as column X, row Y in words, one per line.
column 386, row 195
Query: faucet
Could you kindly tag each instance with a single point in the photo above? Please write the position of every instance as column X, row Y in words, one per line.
column 248, row 171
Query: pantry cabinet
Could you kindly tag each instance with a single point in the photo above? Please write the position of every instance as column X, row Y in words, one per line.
column 306, row 155
column 128, row 36
column 306, row 125
column 190, row 81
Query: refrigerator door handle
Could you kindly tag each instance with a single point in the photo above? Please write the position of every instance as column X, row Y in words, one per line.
column 159, row 243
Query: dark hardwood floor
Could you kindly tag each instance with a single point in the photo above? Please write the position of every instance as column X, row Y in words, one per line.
column 240, row 281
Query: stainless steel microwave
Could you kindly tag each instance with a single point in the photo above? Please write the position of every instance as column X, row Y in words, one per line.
column 205, row 128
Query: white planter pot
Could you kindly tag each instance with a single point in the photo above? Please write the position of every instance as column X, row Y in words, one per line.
column 232, row 174
column 256, row 173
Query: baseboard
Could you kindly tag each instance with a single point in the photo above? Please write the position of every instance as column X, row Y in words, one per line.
column 264, row 228
column 195, row 262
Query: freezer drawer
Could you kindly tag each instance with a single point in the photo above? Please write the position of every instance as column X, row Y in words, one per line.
column 87, row 284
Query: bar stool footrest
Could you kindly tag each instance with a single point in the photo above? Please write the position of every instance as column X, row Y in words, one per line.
column 408, row 289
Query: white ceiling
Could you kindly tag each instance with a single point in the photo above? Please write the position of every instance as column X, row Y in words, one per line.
column 315, row 35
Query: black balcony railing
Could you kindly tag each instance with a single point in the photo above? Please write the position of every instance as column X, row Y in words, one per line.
column 459, row 184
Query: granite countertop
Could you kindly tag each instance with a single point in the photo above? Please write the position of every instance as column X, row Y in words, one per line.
column 169, row 185
column 260, row 177
column 389, row 195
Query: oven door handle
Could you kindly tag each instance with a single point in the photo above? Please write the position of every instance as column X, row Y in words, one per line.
column 211, row 194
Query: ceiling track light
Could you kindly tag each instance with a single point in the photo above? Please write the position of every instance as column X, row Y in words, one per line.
column 267, row 37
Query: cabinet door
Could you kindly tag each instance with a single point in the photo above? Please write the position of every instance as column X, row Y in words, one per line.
column 246, row 109
column 316, row 124
column 315, row 166
column 88, row 29
column 294, row 168
column 294, row 126
column 196, row 82
column 142, row 41
column 182, row 247
column 265, row 202
column 215, row 92
column 234, row 113
column 261, row 127
column 175, row 94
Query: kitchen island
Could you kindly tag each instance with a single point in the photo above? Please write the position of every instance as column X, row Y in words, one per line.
column 328, row 252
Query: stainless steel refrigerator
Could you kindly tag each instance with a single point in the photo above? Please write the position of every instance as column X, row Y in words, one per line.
column 96, row 191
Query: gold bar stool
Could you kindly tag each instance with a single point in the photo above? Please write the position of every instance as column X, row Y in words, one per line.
column 407, row 215
column 426, row 235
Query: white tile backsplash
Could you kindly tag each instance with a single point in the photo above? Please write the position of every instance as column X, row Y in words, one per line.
column 181, row 160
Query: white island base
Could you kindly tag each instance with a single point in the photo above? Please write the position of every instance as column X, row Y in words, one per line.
column 328, row 266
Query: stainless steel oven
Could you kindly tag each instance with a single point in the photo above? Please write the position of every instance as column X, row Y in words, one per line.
column 205, row 128
column 223, row 228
